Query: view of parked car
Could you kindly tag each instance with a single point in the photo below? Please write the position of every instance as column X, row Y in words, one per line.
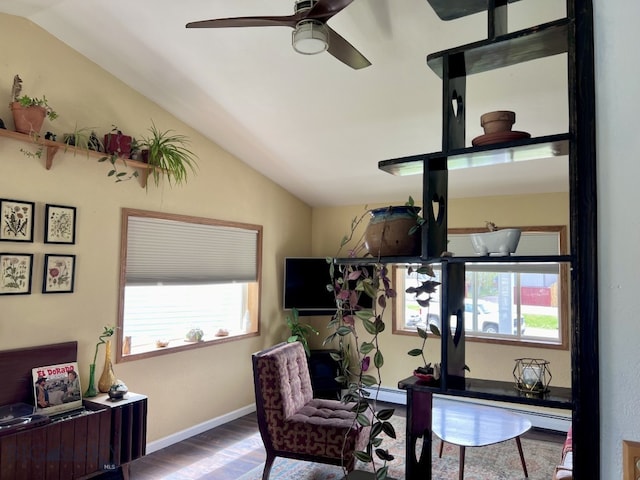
column 487, row 313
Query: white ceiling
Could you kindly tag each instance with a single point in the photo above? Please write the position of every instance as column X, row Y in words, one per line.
column 310, row 123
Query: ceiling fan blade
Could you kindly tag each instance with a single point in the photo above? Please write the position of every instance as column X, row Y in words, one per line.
column 345, row 52
column 323, row 10
column 286, row 21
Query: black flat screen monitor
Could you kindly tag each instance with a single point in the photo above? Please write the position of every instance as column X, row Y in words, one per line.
column 305, row 286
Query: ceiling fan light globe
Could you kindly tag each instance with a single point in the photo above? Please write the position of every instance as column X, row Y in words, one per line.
column 310, row 37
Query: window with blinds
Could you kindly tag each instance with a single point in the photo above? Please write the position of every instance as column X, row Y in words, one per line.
column 183, row 274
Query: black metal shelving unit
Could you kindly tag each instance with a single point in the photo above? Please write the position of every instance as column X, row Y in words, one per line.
column 572, row 35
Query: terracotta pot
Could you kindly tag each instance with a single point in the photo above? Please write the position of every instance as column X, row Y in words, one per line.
column 498, row 121
column 28, row 120
column 388, row 232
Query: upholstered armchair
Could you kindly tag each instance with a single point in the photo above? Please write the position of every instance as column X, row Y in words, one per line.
column 292, row 423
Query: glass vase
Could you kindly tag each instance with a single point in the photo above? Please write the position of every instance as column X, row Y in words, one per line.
column 91, row 389
column 107, row 378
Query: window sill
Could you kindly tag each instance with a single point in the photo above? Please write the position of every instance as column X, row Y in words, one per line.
column 175, row 346
column 524, row 342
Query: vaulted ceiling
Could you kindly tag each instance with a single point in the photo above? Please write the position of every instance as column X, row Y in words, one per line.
column 312, row 124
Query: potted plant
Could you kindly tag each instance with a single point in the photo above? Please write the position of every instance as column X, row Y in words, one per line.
column 194, row 335
column 29, row 112
column 394, row 231
column 425, row 372
column 299, row 331
column 359, row 354
column 115, row 142
column 169, row 154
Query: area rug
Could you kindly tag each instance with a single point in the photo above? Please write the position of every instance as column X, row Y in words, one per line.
column 494, row 462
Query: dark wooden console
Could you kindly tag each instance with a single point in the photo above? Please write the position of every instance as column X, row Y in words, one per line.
column 103, row 438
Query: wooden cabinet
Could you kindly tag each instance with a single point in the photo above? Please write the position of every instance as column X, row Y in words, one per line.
column 61, row 450
column 105, row 436
column 128, row 426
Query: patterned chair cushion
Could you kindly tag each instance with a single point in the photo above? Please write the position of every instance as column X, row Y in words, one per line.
column 298, row 423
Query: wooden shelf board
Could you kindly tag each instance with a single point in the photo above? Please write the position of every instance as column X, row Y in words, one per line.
column 505, row 50
column 557, row 397
column 450, row 10
column 508, row 152
column 539, row 259
column 52, row 148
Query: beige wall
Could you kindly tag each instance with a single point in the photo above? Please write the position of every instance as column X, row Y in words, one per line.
column 186, row 388
column 485, row 360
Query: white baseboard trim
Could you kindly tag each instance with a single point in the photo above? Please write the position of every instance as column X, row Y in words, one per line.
column 536, row 415
column 199, row 428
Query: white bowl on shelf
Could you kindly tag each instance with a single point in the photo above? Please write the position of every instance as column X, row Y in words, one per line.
column 499, row 243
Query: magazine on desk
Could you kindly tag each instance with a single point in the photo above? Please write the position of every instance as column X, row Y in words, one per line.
column 57, row 388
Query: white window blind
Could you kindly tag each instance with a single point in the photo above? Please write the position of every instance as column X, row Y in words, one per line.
column 162, row 251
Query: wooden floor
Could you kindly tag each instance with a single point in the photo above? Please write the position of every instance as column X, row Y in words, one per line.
column 222, row 453
column 227, row 452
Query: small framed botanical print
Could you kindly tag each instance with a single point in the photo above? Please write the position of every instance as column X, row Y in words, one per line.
column 60, row 224
column 59, row 273
column 17, row 220
column 15, row 273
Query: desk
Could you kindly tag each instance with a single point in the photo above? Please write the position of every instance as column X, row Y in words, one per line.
column 472, row 425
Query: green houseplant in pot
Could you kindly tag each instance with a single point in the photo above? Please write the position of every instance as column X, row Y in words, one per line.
column 168, row 152
column 299, row 331
column 29, row 112
column 357, row 326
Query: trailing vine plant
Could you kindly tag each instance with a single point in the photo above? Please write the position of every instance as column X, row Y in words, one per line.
column 359, row 354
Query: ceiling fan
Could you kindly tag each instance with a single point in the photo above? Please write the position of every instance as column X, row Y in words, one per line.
column 311, row 33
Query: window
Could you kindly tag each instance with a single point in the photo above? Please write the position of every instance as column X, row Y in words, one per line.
column 504, row 302
column 183, row 274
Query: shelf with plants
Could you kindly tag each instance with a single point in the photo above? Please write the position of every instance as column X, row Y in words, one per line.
column 51, row 148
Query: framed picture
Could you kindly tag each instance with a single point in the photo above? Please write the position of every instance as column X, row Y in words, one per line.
column 60, row 224
column 59, row 272
column 17, row 220
column 15, row 273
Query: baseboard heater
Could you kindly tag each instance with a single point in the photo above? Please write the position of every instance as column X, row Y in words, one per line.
column 540, row 417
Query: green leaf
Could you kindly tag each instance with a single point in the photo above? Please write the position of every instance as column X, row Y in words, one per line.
column 342, row 331
column 434, row 329
column 111, row 173
column 376, row 430
column 370, row 327
column 362, row 456
column 416, row 352
column 422, row 333
column 336, row 357
column 378, row 359
column 385, row 414
column 366, row 347
column 368, row 380
column 387, row 427
column 360, row 406
column 363, row 420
